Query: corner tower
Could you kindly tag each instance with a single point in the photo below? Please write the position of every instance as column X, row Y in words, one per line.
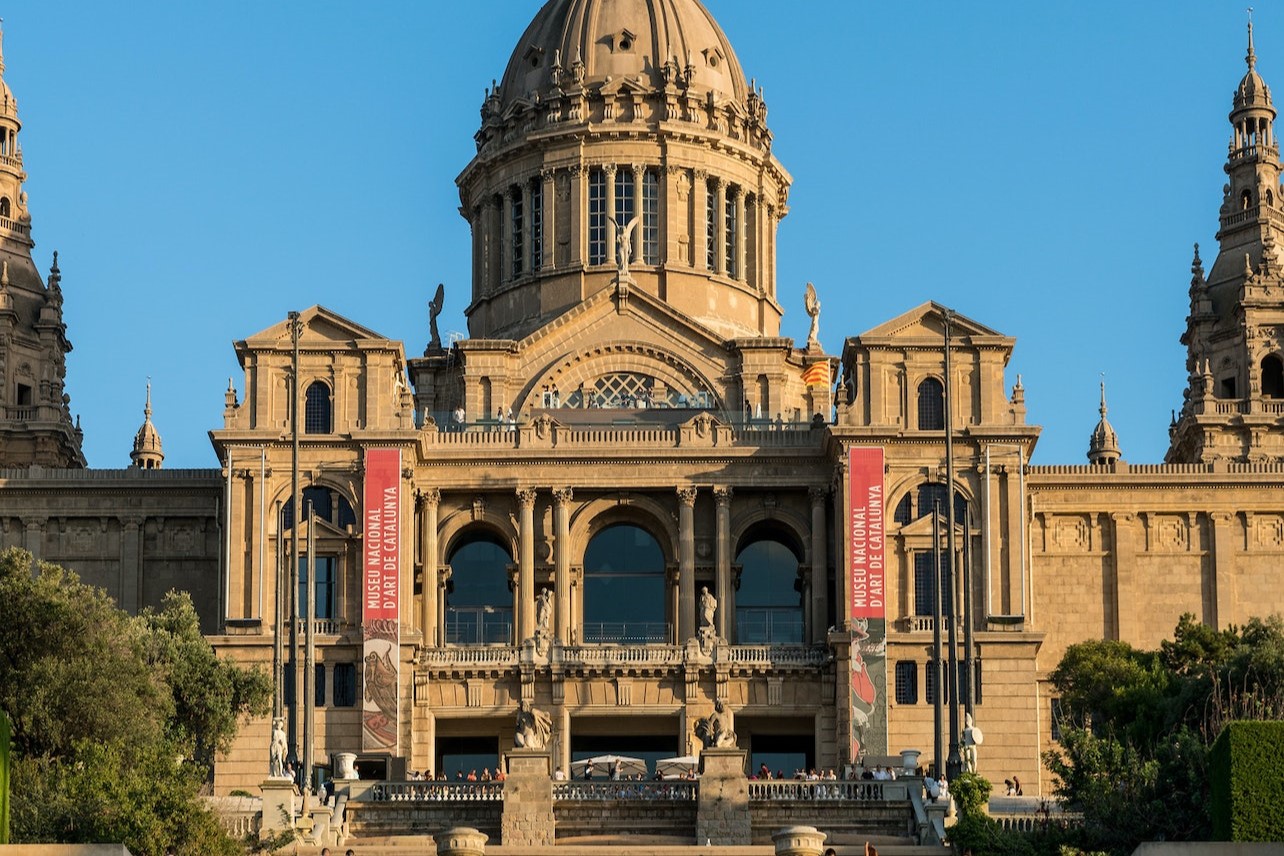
column 1233, row 408
column 614, row 114
column 35, row 420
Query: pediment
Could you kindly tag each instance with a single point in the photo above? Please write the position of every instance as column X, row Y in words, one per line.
column 324, row 529
column 927, row 322
column 320, row 325
column 922, row 528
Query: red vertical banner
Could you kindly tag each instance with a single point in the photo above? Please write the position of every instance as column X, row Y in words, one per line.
column 867, row 601
column 380, row 600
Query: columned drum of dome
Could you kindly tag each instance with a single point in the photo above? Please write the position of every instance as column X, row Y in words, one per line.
column 624, row 116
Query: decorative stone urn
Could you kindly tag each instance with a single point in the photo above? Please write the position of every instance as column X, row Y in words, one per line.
column 462, row 841
column 345, row 765
column 909, row 759
column 799, row 841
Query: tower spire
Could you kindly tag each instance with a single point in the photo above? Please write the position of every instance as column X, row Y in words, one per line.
column 1103, row 447
column 1250, row 59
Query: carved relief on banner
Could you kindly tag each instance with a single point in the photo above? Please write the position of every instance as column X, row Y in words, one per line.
column 1071, row 533
column 1170, row 533
column 1268, row 530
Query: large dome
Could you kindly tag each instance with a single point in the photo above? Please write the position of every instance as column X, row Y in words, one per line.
column 648, row 41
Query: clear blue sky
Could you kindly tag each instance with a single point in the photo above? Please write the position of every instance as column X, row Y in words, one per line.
column 1043, row 168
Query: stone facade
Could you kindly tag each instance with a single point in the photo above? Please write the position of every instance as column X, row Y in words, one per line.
column 625, row 429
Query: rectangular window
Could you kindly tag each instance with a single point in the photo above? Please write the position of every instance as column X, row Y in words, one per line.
column 318, row 684
column 937, row 673
column 345, row 684
column 711, row 227
column 1056, row 719
column 650, row 217
column 597, row 217
column 519, row 230
column 731, row 231
column 907, row 682
column 326, row 567
column 624, row 207
column 976, row 681
column 924, row 588
column 537, row 224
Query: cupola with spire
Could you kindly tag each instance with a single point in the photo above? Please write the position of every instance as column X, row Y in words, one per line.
column 1103, row 448
column 1234, row 333
column 147, row 453
column 36, row 425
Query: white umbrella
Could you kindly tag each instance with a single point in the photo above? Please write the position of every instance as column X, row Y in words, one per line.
column 677, row 766
column 602, row 766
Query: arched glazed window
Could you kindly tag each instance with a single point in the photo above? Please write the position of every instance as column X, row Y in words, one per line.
column 769, row 608
column 1272, row 376
column 316, row 409
column 624, row 587
column 327, row 505
column 931, row 405
column 4, row 206
column 479, row 605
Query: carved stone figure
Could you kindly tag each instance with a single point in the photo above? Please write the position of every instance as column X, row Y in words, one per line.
column 434, row 309
column 624, row 244
column 708, row 608
column 972, row 738
column 716, row 731
column 533, row 727
column 277, row 750
column 543, row 612
column 812, row 303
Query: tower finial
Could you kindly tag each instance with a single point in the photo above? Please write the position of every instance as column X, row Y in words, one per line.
column 147, row 408
column 1251, row 59
column 1, row 45
column 1103, row 395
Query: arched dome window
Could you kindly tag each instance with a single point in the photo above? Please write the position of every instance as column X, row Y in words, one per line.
column 931, row 405
column 624, row 587
column 769, row 608
column 316, row 409
column 4, row 206
column 479, row 605
column 1272, row 376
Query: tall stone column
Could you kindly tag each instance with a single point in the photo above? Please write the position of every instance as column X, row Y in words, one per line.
column 700, row 220
column 686, row 563
column 526, row 565
column 548, row 220
column 429, row 500
column 576, row 216
column 512, row 198
column 609, row 170
column 1127, row 581
column 562, row 560
column 636, row 247
column 722, row 560
column 819, row 563
column 1014, row 594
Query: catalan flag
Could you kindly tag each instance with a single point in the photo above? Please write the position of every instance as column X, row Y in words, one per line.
column 816, row 374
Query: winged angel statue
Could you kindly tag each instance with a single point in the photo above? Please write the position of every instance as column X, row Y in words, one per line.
column 812, row 302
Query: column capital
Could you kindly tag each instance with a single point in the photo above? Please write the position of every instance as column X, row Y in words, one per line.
column 722, row 495
column 818, row 494
column 526, row 497
column 687, row 496
column 610, row 169
column 563, row 495
column 638, row 169
column 430, row 496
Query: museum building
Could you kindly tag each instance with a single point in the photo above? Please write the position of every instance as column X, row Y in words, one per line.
column 625, row 497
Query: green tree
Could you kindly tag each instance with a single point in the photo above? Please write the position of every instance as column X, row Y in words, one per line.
column 116, row 719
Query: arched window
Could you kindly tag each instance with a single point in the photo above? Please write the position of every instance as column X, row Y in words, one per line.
column 327, row 505
column 769, row 608
column 1246, row 200
column 931, row 405
column 316, row 409
column 4, row 206
column 1272, row 376
column 624, row 587
column 479, row 606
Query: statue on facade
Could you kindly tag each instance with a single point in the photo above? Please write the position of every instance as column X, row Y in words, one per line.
column 717, row 731
column 434, row 309
column 623, row 245
column 972, row 738
column 533, row 727
column 812, row 304
column 543, row 612
column 708, row 608
column 277, row 750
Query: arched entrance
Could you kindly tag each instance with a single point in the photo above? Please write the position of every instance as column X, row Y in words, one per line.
column 479, row 604
column 624, row 587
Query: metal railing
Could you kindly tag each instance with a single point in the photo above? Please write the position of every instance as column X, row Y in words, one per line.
column 626, row 632
column 769, row 625
column 481, row 625
column 437, row 792
column 680, row 791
